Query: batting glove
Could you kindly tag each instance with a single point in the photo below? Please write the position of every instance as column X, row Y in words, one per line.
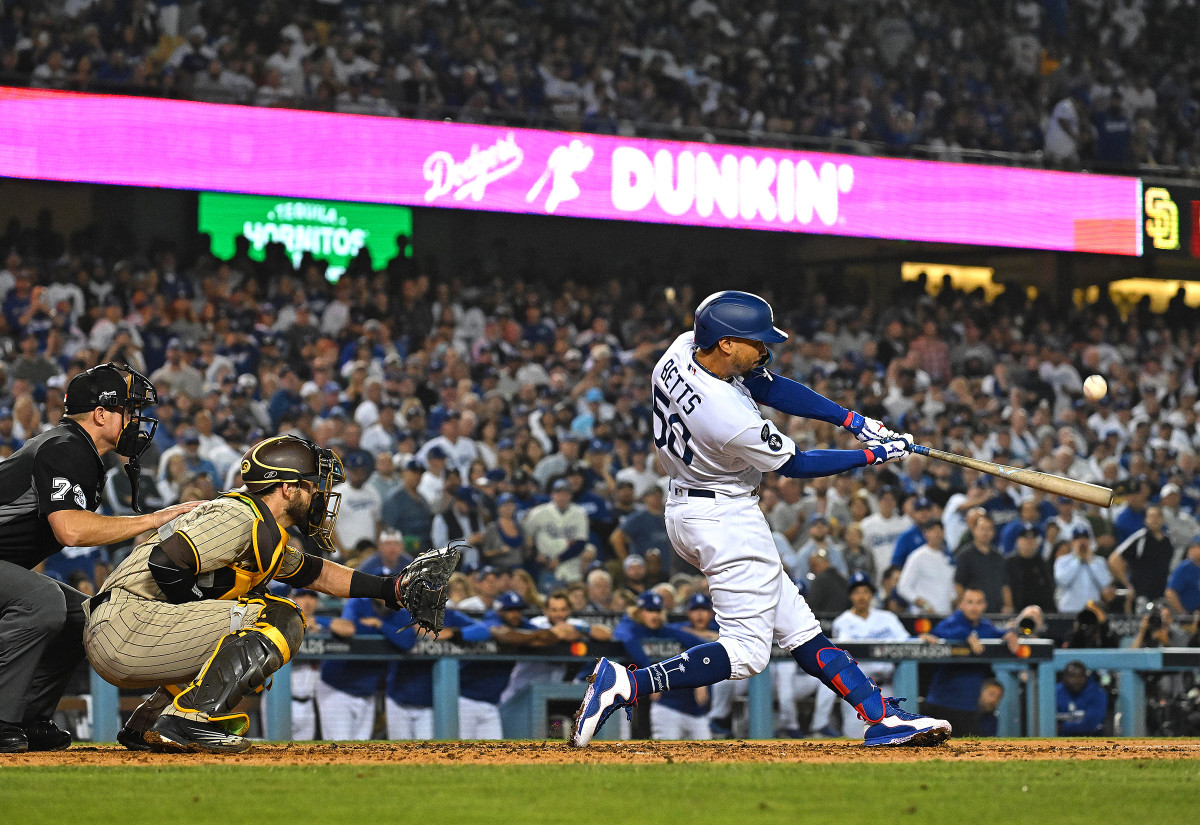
column 868, row 429
column 889, row 450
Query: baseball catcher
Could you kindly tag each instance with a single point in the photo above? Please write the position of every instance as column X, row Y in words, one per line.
column 188, row 610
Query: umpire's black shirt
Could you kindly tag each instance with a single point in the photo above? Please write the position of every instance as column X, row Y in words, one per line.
column 57, row 470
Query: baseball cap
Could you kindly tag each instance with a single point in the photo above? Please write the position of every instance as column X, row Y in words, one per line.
column 391, row 535
column 505, row 498
column 504, row 444
column 859, row 579
column 189, row 436
column 817, row 518
column 5, row 412
column 487, row 570
column 510, row 600
column 650, row 601
column 436, row 452
column 1168, row 489
column 498, row 474
column 561, row 484
column 415, row 465
column 464, row 494
column 103, row 386
column 632, row 559
column 359, row 460
column 930, row 523
column 1080, row 532
column 699, row 601
column 922, row 503
column 1029, row 530
column 1193, row 541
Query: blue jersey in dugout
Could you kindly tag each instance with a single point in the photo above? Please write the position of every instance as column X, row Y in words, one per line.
column 631, row 634
column 354, row 677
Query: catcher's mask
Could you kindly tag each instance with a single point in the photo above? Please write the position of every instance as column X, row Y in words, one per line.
column 289, row 458
column 119, row 387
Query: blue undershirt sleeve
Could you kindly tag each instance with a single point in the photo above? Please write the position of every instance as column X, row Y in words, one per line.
column 793, row 398
column 814, row 463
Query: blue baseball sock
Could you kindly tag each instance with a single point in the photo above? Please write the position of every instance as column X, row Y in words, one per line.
column 838, row 669
column 704, row 664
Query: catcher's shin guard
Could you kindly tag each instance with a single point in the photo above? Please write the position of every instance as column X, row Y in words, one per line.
column 243, row 663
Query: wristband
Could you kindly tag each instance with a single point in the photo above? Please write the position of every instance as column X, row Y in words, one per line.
column 365, row 586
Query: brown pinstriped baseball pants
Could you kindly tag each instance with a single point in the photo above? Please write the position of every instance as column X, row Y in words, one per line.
column 139, row 643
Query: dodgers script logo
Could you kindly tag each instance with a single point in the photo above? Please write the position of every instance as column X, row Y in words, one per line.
column 472, row 176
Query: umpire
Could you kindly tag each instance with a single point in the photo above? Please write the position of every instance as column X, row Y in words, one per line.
column 48, row 491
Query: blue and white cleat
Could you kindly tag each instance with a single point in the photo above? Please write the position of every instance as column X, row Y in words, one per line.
column 899, row 727
column 610, row 688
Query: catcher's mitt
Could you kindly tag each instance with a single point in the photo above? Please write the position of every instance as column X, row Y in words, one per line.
column 423, row 587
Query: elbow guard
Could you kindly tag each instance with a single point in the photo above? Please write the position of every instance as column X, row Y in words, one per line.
column 176, row 583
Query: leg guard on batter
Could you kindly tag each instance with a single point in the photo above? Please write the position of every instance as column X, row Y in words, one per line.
column 839, row 670
column 243, row 663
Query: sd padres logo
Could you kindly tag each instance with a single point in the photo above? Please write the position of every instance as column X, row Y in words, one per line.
column 1162, row 218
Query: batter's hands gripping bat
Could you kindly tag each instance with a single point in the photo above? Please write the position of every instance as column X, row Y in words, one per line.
column 1069, row 487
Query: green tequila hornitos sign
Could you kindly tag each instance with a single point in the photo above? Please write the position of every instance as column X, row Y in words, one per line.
column 332, row 231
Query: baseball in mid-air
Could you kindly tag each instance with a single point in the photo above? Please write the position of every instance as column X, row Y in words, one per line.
column 1094, row 387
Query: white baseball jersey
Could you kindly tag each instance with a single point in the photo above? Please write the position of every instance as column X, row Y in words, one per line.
column 708, row 433
column 877, row 626
column 710, row 436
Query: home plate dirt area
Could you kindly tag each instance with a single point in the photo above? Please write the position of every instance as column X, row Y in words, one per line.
column 634, row 752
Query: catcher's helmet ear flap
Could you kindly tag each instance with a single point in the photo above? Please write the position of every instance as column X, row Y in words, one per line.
column 733, row 314
column 290, row 459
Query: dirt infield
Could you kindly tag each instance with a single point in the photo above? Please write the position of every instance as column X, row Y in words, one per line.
column 638, row 752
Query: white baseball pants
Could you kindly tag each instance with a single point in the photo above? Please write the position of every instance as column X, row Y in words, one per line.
column 754, row 600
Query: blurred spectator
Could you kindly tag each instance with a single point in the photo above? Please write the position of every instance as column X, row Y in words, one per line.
column 407, row 511
column 1081, row 576
column 358, row 518
column 827, row 585
column 927, row 578
column 1142, row 562
column 979, row 566
column 881, row 529
column 487, row 586
column 462, row 520
column 1183, row 588
column 1029, row 575
column 504, row 541
column 558, row 532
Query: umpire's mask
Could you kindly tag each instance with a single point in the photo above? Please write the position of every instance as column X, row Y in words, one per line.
column 119, row 387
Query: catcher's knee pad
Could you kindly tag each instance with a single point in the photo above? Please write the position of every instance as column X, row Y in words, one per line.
column 285, row 618
column 841, row 672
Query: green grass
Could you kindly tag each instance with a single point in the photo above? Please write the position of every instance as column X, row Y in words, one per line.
column 962, row 793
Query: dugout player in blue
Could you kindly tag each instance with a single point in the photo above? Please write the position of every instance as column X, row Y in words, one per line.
column 48, row 491
column 712, row 440
column 1080, row 703
column 678, row 714
column 482, row 683
column 409, row 696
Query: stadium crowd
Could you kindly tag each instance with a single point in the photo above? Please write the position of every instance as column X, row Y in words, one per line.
column 1104, row 83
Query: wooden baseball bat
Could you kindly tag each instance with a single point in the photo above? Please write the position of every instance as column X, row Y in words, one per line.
column 1059, row 485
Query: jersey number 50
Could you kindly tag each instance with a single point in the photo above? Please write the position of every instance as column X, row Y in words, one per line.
column 669, row 431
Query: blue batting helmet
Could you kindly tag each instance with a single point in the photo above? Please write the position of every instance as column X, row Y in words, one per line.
column 733, row 314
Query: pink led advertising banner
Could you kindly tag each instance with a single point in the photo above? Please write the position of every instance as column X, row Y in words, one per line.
column 143, row 142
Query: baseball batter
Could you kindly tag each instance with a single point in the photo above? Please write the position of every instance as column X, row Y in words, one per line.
column 715, row 445
column 188, row 611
